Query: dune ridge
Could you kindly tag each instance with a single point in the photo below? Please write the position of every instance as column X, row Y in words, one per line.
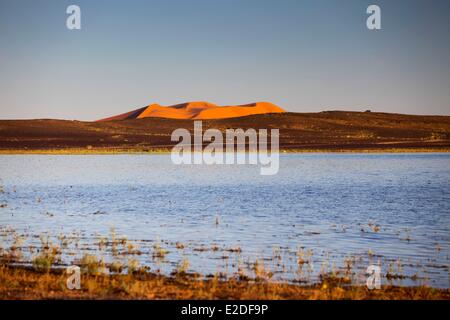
column 198, row 110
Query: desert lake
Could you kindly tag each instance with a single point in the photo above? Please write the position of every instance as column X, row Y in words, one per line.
column 322, row 213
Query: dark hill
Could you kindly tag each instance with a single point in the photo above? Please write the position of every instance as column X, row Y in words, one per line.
column 331, row 130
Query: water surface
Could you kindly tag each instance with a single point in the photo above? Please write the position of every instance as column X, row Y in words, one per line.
column 339, row 209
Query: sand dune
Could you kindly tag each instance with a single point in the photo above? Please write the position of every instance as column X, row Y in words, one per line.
column 198, row 110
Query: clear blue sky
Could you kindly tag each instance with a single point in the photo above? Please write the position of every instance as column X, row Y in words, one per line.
column 309, row 55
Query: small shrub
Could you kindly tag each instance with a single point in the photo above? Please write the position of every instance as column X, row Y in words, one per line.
column 116, row 267
column 43, row 262
column 133, row 266
column 91, row 263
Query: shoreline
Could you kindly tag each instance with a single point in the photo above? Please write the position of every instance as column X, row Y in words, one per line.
column 19, row 283
column 111, row 151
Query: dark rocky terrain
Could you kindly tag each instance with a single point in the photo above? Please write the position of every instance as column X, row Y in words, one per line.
column 324, row 131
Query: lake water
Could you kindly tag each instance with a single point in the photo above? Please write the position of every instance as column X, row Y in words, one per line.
column 344, row 211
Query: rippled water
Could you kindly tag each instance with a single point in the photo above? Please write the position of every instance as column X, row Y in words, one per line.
column 387, row 209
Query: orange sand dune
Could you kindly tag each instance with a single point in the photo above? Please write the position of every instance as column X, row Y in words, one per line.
column 198, row 110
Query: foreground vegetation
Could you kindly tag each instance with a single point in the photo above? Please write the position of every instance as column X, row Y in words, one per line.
column 26, row 283
column 32, row 271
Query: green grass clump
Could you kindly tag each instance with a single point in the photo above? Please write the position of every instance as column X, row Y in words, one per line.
column 43, row 262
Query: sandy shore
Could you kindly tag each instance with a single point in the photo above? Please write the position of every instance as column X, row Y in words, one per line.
column 100, row 151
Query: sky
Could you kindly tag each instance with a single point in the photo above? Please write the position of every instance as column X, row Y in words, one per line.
column 303, row 55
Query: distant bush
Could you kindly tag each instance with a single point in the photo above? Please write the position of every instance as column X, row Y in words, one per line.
column 364, row 134
column 438, row 136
